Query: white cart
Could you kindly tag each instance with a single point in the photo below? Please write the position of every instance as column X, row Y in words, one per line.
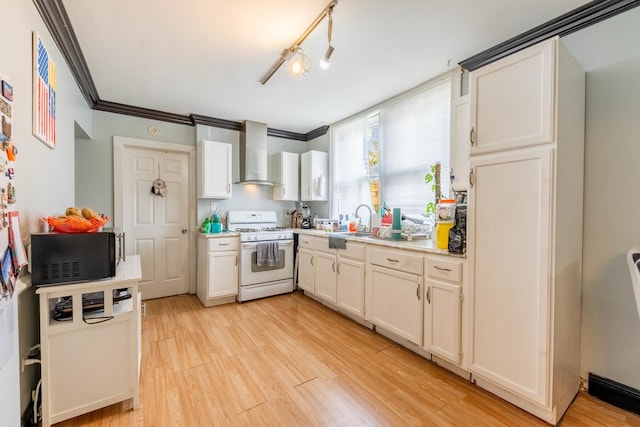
column 92, row 359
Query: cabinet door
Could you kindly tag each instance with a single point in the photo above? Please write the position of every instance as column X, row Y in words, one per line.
column 325, row 279
column 512, row 102
column 396, row 304
column 442, row 319
column 306, row 271
column 285, row 167
column 214, row 170
column 460, row 125
column 510, row 237
column 223, row 274
column 350, row 292
column 314, row 167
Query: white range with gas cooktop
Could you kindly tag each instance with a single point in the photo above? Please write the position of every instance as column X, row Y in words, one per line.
column 266, row 254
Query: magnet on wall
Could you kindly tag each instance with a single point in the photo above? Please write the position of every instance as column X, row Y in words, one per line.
column 11, row 194
column 7, row 90
column 12, row 152
column 10, row 173
column 5, row 107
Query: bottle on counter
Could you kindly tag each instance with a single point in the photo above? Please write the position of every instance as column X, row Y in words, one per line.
column 216, row 226
column 205, row 226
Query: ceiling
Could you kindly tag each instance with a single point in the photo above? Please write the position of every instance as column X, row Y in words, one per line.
column 206, row 57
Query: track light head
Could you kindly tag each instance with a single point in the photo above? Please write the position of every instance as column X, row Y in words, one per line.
column 324, row 62
column 301, row 65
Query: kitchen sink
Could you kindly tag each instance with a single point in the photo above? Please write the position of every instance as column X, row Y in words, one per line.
column 352, row 233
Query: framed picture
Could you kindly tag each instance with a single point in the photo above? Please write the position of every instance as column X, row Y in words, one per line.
column 44, row 93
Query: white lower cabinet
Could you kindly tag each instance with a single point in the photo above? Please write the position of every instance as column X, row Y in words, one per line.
column 217, row 270
column 350, row 286
column 306, row 269
column 325, row 275
column 394, row 295
column 443, row 308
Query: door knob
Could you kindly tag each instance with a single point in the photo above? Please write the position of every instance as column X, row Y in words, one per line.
column 184, row 231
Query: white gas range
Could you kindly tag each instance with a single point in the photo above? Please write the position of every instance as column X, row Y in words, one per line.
column 266, row 254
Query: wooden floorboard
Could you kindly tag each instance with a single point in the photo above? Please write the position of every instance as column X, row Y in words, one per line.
column 289, row 361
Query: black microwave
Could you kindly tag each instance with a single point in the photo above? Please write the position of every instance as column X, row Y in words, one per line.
column 58, row 258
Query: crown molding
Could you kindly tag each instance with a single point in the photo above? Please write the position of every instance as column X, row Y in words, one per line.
column 317, row 132
column 147, row 113
column 57, row 21
column 199, row 119
column 568, row 23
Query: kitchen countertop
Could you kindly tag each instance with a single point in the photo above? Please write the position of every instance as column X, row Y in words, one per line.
column 221, row 234
column 421, row 245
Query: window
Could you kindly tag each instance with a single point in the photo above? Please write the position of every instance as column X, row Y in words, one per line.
column 349, row 173
column 414, row 134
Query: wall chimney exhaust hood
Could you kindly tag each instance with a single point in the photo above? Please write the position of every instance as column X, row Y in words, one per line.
column 253, row 154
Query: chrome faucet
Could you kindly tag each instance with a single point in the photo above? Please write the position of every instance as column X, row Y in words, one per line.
column 370, row 214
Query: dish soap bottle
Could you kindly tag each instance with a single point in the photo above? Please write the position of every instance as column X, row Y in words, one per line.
column 216, row 227
column 205, row 226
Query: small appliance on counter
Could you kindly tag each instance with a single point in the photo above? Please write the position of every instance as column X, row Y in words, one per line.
column 58, row 258
column 306, row 217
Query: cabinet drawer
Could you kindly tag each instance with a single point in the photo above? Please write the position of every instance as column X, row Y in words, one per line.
column 322, row 245
column 396, row 260
column 449, row 270
column 354, row 250
column 223, row 244
column 306, row 242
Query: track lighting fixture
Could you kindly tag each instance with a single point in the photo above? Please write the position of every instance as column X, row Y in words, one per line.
column 295, row 49
column 324, row 62
column 301, row 65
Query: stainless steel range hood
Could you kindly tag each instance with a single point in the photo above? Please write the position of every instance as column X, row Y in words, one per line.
column 253, row 154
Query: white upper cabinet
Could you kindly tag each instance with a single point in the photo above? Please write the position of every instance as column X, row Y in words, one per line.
column 285, row 173
column 460, row 143
column 314, row 167
column 214, row 170
column 512, row 101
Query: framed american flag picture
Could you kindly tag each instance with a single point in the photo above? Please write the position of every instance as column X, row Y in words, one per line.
column 44, row 93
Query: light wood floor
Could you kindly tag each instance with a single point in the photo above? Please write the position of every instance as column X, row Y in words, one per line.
column 288, row 360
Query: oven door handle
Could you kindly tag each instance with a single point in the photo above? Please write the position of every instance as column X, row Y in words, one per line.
column 280, row 243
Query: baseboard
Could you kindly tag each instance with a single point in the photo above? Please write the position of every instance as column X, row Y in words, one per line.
column 617, row 394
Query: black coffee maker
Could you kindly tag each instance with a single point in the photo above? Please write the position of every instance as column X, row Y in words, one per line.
column 306, row 217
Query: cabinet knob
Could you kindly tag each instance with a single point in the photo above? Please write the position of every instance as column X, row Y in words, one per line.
column 184, row 231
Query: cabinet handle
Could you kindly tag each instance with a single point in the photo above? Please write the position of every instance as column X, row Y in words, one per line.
column 333, row 266
column 309, row 191
column 471, row 178
column 228, row 188
column 236, row 260
column 311, row 260
column 284, row 191
column 472, row 136
column 393, row 260
column 442, row 269
column 418, row 291
column 338, row 268
column 223, row 244
column 429, row 294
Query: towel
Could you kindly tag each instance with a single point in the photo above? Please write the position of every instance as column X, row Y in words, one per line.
column 267, row 254
column 337, row 242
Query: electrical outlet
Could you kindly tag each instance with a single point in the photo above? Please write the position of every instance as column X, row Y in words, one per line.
column 214, row 206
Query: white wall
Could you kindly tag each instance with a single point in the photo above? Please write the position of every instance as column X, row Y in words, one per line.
column 610, row 341
column 44, row 178
column 94, row 157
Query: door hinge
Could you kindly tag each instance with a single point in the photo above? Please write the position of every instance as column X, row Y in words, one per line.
column 460, row 354
column 461, row 297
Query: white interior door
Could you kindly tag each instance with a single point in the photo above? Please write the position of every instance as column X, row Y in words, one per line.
column 157, row 227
